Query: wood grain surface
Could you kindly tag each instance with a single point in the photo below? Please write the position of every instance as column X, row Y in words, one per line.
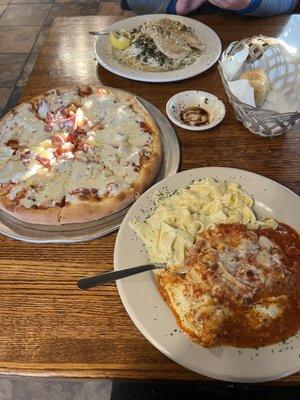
column 47, row 325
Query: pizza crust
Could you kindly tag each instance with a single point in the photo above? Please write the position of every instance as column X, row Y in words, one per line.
column 48, row 216
column 150, row 167
column 90, row 210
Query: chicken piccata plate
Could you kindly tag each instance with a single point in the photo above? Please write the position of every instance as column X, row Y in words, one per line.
column 158, row 48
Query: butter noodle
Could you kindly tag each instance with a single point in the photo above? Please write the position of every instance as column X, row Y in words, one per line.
column 178, row 218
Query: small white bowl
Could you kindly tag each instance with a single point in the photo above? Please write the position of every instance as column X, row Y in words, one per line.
column 195, row 98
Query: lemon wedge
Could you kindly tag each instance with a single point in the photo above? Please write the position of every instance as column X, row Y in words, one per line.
column 120, row 40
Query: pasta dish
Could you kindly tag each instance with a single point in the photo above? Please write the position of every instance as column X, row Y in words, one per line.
column 180, row 217
column 241, row 280
column 157, row 46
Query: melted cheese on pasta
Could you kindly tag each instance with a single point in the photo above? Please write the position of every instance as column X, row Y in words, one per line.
column 177, row 219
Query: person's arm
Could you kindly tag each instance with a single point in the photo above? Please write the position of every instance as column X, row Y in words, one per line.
column 181, row 7
column 267, row 8
column 254, row 8
column 257, row 8
column 148, row 6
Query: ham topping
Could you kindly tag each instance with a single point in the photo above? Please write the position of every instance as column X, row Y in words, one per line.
column 69, row 124
column 87, row 148
column 57, row 140
column 44, row 161
column 6, row 187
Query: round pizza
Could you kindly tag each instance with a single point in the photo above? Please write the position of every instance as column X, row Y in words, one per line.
column 75, row 155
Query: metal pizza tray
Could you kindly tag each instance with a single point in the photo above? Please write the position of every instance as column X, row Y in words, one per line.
column 73, row 233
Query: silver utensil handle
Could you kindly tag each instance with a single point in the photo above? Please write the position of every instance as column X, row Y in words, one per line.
column 87, row 283
column 99, row 33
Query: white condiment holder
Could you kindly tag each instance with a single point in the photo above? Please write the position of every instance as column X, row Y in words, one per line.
column 195, row 98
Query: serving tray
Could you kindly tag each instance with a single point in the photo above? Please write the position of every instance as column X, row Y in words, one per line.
column 74, row 233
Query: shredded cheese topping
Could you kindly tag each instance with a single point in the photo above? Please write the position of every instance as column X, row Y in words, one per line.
column 67, row 145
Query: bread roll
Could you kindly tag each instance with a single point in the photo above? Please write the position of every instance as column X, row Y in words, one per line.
column 260, row 82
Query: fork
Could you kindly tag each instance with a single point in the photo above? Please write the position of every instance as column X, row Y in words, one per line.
column 99, row 33
column 96, row 280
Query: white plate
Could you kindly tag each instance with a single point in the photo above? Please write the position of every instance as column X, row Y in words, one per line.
column 193, row 98
column 155, row 321
column 208, row 37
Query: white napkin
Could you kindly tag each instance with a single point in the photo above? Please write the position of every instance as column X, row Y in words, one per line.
column 232, row 68
column 283, row 96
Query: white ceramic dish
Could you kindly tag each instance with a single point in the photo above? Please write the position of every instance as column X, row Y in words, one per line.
column 195, row 98
column 103, row 52
column 153, row 318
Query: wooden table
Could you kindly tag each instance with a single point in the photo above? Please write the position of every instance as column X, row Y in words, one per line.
column 47, row 325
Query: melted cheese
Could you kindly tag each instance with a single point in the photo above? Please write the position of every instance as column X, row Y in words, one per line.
column 56, row 102
column 45, row 187
column 109, row 165
column 24, row 127
column 121, row 142
column 198, row 316
column 269, row 311
column 5, row 155
column 52, row 190
column 43, row 109
column 46, row 144
column 96, row 107
column 15, row 171
column 92, row 176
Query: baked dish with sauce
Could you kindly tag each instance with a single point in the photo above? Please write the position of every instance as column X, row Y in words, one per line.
column 241, row 285
column 157, row 46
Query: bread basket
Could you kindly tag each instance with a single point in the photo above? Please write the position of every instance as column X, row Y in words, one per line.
column 284, row 73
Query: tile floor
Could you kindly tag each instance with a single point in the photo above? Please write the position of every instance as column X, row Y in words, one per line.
column 31, row 20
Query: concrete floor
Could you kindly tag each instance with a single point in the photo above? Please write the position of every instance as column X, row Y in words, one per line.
column 29, row 388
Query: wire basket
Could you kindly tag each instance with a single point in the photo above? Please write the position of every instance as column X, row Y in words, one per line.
column 264, row 52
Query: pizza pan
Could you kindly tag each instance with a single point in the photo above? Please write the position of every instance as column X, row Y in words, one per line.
column 74, row 233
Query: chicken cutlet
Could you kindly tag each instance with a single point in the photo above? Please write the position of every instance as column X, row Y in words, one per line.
column 241, row 287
